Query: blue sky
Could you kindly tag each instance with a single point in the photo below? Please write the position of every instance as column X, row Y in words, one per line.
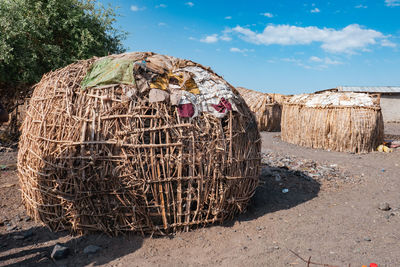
column 286, row 46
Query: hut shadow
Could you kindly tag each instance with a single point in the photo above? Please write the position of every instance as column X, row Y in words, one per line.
column 280, row 188
column 36, row 248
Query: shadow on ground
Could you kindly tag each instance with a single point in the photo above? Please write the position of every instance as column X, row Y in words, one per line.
column 38, row 242
column 280, row 188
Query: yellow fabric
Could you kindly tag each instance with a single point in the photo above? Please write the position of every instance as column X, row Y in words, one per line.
column 183, row 79
column 160, row 83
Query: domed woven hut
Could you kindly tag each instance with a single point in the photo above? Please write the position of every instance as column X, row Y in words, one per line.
column 266, row 108
column 137, row 142
column 345, row 122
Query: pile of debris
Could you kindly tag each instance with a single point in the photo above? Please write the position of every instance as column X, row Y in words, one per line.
column 279, row 166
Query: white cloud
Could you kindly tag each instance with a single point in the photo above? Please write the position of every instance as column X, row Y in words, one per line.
column 267, row 14
column 225, row 38
column 228, row 17
column 190, row 4
column 316, row 62
column 136, row 8
column 392, row 2
column 361, row 6
column 291, row 60
column 213, row 38
column 326, row 60
column 329, row 61
column 386, row 42
column 315, row 10
column 161, row 6
column 315, row 59
column 347, row 40
column 161, row 24
column 242, row 51
column 234, row 49
column 210, row 39
column 192, row 38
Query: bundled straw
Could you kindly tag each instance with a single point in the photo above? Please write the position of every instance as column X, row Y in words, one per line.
column 107, row 159
column 347, row 122
column 266, row 108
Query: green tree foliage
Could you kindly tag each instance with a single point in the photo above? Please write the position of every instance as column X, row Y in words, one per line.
column 37, row 36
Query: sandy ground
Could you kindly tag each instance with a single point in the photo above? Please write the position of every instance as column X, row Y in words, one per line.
column 338, row 225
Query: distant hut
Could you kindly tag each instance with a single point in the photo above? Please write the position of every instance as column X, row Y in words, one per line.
column 348, row 122
column 266, row 108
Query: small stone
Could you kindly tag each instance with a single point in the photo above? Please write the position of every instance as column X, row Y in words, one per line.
column 367, row 239
column 59, row 252
column 91, row 249
column 27, row 218
column 244, row 248
column 11, row 227
column 384, row 206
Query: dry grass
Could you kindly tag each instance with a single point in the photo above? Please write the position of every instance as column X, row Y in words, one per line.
column 348, row 129
column 266, row 108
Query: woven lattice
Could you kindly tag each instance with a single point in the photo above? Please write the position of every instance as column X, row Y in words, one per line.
column 99, row 160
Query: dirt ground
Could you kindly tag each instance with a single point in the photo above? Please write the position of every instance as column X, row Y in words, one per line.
column 334, row 221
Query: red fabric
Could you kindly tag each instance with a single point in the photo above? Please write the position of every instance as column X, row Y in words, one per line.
column 186, row 110
column 373, row 265
column 222, row 106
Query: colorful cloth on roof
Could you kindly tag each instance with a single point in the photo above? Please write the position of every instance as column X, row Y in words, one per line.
column 183, row 79
column 222, row 106
column 186, row 110
column 109, row 71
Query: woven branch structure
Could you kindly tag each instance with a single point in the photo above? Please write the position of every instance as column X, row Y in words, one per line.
column 346, row 122
column 266, row 108
column 137, row 156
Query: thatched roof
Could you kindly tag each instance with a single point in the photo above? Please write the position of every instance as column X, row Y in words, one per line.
column 334, row 99
column 172, row 149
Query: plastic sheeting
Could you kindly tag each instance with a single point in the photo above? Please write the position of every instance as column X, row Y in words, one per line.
column 109, row 71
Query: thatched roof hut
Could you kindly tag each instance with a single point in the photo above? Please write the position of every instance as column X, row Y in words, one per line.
column 348, row 122
column 137, row 142
column 266, row 108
